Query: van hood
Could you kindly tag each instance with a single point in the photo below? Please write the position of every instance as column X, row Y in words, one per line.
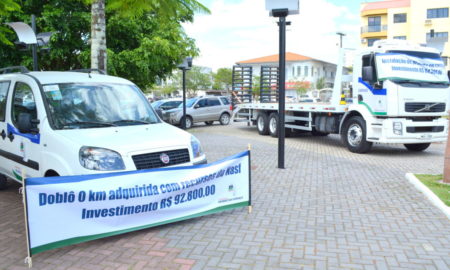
column 130, row 140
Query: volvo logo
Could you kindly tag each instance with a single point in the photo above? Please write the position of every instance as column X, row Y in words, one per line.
column 164, row 158
column 427, row 107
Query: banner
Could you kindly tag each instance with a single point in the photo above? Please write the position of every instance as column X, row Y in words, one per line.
column 394, row 66
column 67, row 210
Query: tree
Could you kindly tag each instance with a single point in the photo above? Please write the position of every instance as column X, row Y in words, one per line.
column 320, row 83
column 168, row 9
column 143, row 50
column 302, row 87
column 6, row 7
column 223, row 79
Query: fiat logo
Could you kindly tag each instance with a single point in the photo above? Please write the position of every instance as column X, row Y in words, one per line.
column 164, row 158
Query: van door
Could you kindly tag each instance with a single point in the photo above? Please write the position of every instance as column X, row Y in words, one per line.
column 24, row 148
column 4, row 162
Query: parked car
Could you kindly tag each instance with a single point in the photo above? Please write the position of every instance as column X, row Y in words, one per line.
column 72, row 123
column 165, row 104
column 202, row 109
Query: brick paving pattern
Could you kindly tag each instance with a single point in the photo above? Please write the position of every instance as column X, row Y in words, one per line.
column 329, row 209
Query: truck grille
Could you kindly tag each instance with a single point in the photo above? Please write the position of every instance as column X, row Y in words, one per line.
column 153, row 160
column 424, row 107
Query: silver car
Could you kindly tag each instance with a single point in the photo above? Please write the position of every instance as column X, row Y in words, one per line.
column 201, row 109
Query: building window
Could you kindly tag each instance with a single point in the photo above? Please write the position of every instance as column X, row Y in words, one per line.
column 299, row 71
column 374, row 24
column 306, row 71
column 400, row 37
column 445, row 59
column 438, row 35
column 400, row 18
column 293, row 71
column 433, row 13
column 370, row 41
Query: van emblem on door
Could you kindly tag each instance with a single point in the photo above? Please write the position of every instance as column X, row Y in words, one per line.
column 164, row 158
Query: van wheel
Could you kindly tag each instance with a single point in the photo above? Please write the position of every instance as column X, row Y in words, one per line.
column 262, row 124
column 416, row 147
column 188, row 122
column 3, row 182
column 224, row 119
column 354, row 135
column 209, row 123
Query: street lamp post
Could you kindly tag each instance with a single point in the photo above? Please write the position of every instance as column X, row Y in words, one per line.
column 282, row 9
column 185, row 66
column 340, row 38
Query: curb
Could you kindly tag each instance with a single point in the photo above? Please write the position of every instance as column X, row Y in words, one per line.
column 429, row 194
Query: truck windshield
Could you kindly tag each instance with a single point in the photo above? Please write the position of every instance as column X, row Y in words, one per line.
column 412, row 68
column 79, row 105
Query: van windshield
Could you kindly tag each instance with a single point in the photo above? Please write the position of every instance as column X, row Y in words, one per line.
column 79, row 105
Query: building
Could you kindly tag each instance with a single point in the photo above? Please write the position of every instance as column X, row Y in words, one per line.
column 299, row 68
column 420, row 21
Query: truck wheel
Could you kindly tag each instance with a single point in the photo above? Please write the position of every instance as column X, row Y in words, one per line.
column 262, row 124
column 188, row 122
column 224, row 119
column 273, row 124
column 354, row 135
column 3, row 181
column 416, row 147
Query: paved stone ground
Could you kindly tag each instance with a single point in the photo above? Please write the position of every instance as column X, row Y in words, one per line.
column 329, row 209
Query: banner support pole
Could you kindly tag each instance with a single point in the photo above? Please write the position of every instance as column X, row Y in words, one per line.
column 250, row 207
column 28, row 259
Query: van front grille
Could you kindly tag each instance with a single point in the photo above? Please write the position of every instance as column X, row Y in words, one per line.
column 154, row 160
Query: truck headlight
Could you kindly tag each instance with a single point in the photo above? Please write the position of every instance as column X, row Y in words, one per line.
column 100, row 159
column 398, row 128
column 197, row 150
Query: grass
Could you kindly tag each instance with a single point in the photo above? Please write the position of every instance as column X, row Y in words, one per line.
column 432, row 182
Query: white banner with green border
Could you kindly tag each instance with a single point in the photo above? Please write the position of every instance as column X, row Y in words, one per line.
column 398, row 66
column 68, row 210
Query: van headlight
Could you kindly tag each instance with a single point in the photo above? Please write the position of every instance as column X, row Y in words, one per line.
column 197, row 150
column 100, row 159
column 398, row 128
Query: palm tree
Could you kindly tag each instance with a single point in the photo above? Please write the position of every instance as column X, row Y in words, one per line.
column 131, row 8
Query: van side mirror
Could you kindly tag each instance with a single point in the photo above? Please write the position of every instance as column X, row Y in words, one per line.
column 26, row 124
column 196, row 106
column 448, row 75
column 367, row 74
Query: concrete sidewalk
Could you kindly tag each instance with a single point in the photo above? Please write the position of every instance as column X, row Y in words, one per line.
column 329, row 209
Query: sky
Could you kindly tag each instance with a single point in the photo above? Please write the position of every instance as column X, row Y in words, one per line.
column 239, row 30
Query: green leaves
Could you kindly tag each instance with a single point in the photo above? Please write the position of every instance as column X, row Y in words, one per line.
column 6, row 7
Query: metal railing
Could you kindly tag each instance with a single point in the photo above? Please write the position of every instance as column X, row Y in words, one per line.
column 374, row 28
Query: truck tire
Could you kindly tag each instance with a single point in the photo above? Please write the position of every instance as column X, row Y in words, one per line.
column 417, row 147
column 273, row 124
column 262, row 124
column 354, row 135
column 3, row 181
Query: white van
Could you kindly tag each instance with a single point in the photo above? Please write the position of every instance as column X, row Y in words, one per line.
column 72, row 123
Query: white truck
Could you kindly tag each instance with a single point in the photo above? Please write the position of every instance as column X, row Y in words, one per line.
column 399, row 94
column 73, row 123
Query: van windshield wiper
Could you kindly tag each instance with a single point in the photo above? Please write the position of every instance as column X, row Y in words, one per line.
column 131, row 121
column 93, row 123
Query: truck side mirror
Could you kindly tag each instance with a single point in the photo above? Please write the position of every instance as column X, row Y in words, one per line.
column 24, row 123
column 367, row 74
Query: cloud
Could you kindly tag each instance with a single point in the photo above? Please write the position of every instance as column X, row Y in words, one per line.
column 244, row 30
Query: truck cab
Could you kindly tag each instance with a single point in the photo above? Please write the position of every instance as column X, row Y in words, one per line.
column 402, row 91
column 72, row 123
